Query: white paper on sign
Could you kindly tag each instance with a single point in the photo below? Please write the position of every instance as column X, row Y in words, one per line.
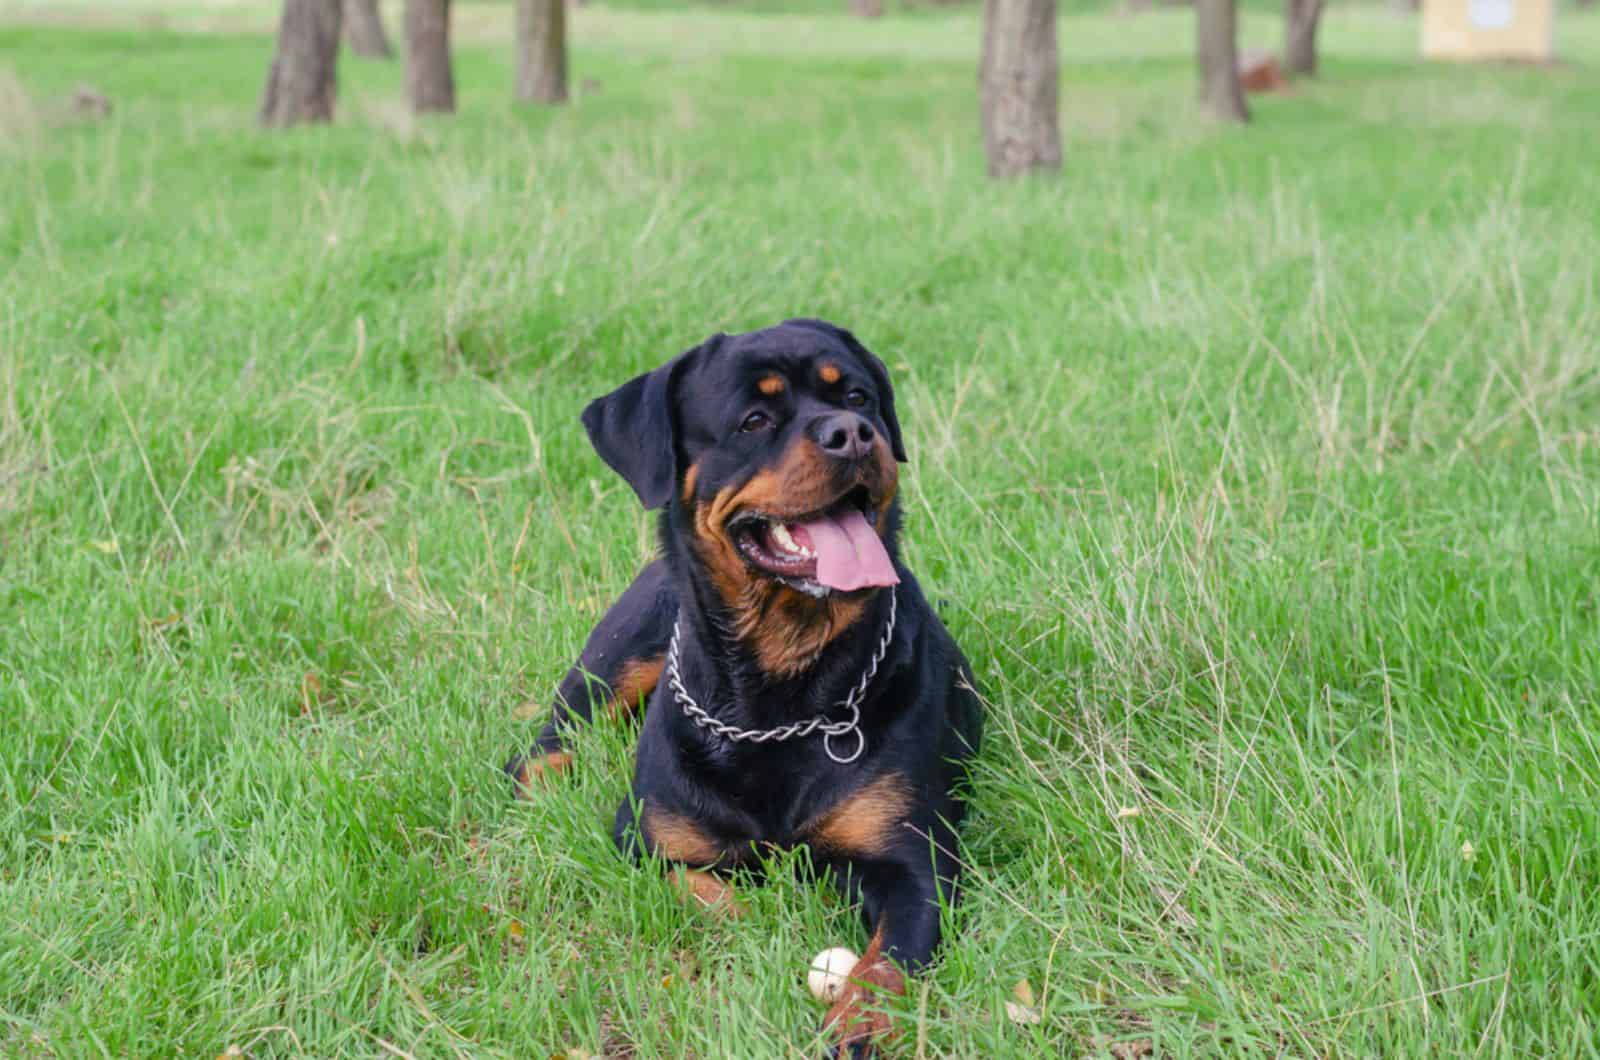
column 1490, row 14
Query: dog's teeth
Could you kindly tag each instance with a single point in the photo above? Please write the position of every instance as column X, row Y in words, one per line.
column 785, row 540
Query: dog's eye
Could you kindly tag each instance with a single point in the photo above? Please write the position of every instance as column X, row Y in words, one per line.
column 856, row 398
column 754, row 422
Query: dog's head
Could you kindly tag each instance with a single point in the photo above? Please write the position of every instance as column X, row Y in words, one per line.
column 777, row 452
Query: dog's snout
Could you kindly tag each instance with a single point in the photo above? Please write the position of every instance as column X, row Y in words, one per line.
column 843, row 434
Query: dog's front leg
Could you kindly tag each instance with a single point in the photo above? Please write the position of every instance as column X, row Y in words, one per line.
column 902, row 903
column 618, row 668
column 689, row 848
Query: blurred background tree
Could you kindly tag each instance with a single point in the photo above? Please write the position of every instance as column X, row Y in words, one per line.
column 430, row 83
column 363, row 29
column 542, row 51
column 302, row 82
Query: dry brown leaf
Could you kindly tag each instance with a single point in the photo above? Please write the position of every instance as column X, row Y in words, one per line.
column 1021, row 1014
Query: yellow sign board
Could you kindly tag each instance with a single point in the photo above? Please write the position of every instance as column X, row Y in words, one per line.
column 1489, row 29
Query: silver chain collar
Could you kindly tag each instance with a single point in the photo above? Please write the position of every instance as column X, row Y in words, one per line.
column 829, row 729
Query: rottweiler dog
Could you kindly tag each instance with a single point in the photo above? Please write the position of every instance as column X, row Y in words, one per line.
column 800, row 690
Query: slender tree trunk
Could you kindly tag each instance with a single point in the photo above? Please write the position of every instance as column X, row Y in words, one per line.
column 429, row 83
column 303, row 81
column 867, row 8
column 542, row 51
column 363, row 29
column 1218, row 53
column 1017, row 86
column 1300, row 36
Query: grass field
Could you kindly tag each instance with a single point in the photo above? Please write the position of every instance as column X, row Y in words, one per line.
column 1259, row 471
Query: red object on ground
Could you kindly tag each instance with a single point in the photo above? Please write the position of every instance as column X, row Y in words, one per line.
column 1260, row 71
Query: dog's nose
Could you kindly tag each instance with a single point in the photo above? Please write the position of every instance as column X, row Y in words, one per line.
column 843, row 434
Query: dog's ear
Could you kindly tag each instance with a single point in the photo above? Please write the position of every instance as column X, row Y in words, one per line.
column 880, row 377
column 635, row 427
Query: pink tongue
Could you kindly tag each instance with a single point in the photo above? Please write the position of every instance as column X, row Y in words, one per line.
column 849, row 554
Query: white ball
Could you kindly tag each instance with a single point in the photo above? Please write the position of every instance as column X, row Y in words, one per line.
column 830, row 970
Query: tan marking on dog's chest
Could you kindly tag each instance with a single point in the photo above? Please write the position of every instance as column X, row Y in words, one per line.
column 866, row 821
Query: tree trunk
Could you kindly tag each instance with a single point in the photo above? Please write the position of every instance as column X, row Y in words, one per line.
column 302, row 83
column 363, row 30
column 542, row 51
column 429, row 82
column 1300, row 37
column 867, row 8
column 1218, row 53
column 1017, row 86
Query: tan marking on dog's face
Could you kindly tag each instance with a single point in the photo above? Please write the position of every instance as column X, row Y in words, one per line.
column 865, row 822
column 803, row 480
column 691, row 478
column 634, row 683
column 829, row 373
column 677, row 838
column 710, row 893
column 786, row 629
column 772, row 385
column 889, row 484
column 857, row 1016
column 538, row 770
column 789, row 629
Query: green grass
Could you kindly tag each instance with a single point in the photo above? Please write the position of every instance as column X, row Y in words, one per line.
column 1259, row 470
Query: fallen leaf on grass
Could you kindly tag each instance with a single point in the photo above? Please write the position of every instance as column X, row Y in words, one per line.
column 1021, row 1014
column 1022, row 1010
column 310, row 692
column 516, row 938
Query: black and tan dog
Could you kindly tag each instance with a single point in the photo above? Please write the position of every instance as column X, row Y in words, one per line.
column 801, row 691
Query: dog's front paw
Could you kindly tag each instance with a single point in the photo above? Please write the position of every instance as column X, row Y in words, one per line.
column 856, row 1023
column 708, row 892
column 860, row 1050
column 531, row 771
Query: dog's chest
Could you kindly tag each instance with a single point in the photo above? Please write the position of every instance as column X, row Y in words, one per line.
column 852, row 814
